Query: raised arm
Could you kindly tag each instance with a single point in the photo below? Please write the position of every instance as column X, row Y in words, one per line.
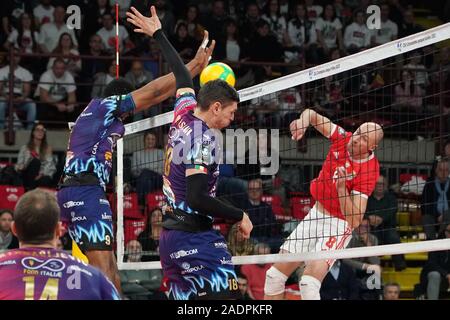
column 160, row 89
column 310, row 117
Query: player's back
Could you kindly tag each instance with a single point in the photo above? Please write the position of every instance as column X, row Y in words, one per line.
column 50, row 274
column 93, row 138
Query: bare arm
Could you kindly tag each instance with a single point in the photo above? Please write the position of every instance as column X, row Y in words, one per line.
column 26, row 89
column 353, row 206
column 160, row 89
column 72, row 98
column 45, row 97
column 310, row 117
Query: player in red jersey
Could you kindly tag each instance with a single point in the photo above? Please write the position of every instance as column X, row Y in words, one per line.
column 341, row 191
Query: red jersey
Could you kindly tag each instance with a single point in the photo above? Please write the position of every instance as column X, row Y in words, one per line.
column 362, row 174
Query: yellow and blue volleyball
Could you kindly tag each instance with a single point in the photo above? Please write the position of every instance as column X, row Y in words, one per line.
column 218, row 70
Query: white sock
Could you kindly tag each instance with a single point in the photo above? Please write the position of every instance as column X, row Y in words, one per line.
column 309, row 288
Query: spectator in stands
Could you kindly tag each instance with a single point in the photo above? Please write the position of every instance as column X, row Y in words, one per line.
column 329, row 33
column 147, row 167
column 388, row 29
column 43, row 12
column 108, row 35
column 365, row 268
column 408, row 26
column 183, row 42
column 417, row 69
column 447, row 150
column 7, row 239
column 137, row 75
column 435, row 200
column 25, row 37
column 50, row 32
column 243, row 287
column 214, row 22
column 138, row 284
column 56, row 90
column 314, row 10
column 35, row 160
column 435, row 275
column 93, row 18
column 266, row 109
column 195, row 29
column 102, row 79
column 262, row 217
column 382, row 214
column 90, row 67
column 167, row 18
column 357, row 35
column 248, row 23
column 302, row 37
column 277, row 22
column 152, row 53
column 343, row 12
column 66, row 47
column 391, row 291
column 21, row 91
column 340, row 283
column 229, row 46
column 408, row 96
column 255, row 273
column 149, row 238
column 11, row 12
column 237, row 245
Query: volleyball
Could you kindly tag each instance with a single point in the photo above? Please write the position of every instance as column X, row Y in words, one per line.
column 218, row 70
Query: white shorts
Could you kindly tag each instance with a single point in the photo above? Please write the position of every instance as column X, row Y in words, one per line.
column 318, row 232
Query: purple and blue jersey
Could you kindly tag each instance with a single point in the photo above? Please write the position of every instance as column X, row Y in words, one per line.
column 94, row 136
column 196, row 263
column 90, row 151
column 191, row 144
column 50, row 274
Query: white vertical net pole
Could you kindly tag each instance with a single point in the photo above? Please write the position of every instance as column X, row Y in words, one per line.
column 119, row 194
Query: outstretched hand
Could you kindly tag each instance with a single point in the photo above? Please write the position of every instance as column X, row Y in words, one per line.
column 297, row 129
column 147, row 25
column 204, row 52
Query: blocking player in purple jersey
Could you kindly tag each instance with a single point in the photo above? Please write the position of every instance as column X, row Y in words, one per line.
column 194, row 257
column 37, row 270
column 81, row 195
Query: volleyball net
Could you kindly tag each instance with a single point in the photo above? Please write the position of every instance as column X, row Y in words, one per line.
column 400, row 85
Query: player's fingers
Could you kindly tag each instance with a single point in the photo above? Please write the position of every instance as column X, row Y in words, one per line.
column 130, row 15
column 153, row 11
column 139, row 30
column 205, row 40
column 211, row 47
column 137, row 13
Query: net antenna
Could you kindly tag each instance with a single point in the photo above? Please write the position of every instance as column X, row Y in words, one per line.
column 117, row 40
column 369, row 56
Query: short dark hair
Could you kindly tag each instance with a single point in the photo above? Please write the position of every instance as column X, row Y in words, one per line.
column 36, row 217
column 2, row 212
column 117, row 87
column 216, row 91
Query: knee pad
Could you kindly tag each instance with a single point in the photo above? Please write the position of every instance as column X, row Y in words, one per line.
column 309, row 288
column 275, row 282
